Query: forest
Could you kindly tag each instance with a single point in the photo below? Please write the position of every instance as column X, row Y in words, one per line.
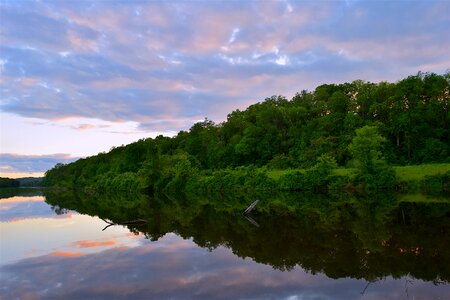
column 6, row 182
column 365, row 127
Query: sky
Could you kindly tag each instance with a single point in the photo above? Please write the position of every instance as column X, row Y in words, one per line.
column 79, row 77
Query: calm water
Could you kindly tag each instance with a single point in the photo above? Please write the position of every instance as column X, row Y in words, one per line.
column 317, row 247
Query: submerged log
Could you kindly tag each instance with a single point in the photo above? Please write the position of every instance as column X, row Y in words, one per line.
column 252, row 206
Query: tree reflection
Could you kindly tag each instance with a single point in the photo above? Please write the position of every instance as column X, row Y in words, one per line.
column 59, row 210
column 367, row 237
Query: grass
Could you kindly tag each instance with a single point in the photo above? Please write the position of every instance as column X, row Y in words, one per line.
column 275, row 174
column 406, row 173
column 416, row 198
column 411, row 173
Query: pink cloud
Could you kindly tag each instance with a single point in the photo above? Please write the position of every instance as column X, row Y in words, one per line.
column 94, row 244
column 80, row 44
column 90, row 126
column 19, row 199
column 66, row 254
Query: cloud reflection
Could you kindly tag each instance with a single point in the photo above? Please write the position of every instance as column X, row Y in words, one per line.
column 178, row 269
column 20, row 208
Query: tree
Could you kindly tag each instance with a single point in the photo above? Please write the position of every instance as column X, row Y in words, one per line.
column 372, row 169
column 366, row 148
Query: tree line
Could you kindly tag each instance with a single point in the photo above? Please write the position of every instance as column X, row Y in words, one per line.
column 21, row 182
column 402, row 123
column 8, row 182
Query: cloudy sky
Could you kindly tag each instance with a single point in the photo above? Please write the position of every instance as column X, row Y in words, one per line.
column 78, row 77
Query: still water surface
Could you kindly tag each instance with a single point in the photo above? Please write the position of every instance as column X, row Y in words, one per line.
column 57, row 246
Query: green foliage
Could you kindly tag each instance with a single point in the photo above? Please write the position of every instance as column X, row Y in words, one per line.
column 315, row 178
column 31, row 181
column 281, row 162
column 435, row 184
column 395, row 123
column 366, row 148
column 325, row 164
column 8, row 182
column 372, row 169
column 242, row 178
column 292, row 182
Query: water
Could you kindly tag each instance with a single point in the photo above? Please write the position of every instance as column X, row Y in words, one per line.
column 314, row 247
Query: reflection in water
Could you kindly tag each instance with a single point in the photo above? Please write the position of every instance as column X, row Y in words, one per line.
column 19, row 208
column 19, row 204
column 366, row 238
column 19, row 192
column 305, row 246
column 29, row 227
column 177, row 268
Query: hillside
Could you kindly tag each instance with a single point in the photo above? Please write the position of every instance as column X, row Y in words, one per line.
column 411, row 116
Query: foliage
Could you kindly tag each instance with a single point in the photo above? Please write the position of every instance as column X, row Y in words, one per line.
column 436, row 183
column 401, row 123
column 21, row 182
column 372, row 169
column 31, row 181
column 8, row 182
column 366, row 148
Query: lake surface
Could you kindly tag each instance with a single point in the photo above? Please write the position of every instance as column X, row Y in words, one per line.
column 294, row 246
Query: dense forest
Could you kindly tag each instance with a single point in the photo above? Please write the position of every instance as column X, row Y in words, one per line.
column 367, row 126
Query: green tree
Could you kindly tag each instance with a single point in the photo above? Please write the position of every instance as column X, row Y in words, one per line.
column 366, row 148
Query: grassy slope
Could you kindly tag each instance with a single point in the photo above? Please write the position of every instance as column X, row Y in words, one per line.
column 405, row 173
column 418, row 172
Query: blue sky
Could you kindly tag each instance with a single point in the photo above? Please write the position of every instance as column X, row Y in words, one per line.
column 78, row 77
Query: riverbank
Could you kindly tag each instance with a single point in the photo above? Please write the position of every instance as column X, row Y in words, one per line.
column 427, row 178
column 403, row 173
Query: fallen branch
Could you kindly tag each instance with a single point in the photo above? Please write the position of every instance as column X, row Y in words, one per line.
column 249, row 209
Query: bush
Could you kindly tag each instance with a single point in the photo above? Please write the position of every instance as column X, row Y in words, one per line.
column 292, row 182
column 282, row 162
column 436, row 183
column 382, row 177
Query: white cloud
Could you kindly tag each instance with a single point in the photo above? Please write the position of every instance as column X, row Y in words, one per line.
column 234, row 35
column 282, row 60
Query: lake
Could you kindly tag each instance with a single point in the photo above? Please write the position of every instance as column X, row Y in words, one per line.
column 292, row 246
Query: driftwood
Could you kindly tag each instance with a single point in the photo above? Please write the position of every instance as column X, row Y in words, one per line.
column 132, row 222
column 249, row 209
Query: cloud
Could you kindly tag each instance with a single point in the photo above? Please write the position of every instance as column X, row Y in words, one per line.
column 163, row 61
column 94, row 244
column 31, row 163
column 66, row 254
